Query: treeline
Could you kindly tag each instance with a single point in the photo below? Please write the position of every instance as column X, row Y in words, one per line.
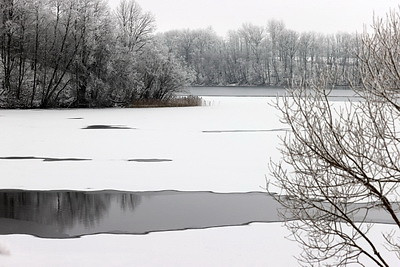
column 79, row 53
column 265, row 56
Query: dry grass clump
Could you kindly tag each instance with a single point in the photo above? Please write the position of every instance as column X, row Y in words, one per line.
column 184, row 101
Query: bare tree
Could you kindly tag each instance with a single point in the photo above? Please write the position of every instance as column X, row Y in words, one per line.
column 288, row 50
column 306, row 43
column 59, row 55
column 275, row 29
column 162, row 74
column 7, row 32
column 341, row 161
column 254, row 37
column 91, row 27
column 135, row 26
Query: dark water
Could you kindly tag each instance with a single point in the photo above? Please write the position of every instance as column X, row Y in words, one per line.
column 247, row 131
column 107, row 127
column 41, row 158
column 150, row 160
column 234, row 91
column 47, row 159
column 67, row 214
column 253, row 91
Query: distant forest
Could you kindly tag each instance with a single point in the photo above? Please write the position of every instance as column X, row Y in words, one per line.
column 80, row 53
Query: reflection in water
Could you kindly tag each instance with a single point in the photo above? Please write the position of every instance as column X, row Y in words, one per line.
column 58, row 214
column 66, row 214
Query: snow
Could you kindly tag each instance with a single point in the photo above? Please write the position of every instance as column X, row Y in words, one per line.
column 202, row 159
column 254, row 245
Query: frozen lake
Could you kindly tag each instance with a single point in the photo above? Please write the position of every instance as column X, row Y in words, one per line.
column 222, row 147
column 218, row 152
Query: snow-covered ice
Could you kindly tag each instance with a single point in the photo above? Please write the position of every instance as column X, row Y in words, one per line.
column 200, row 161
column 253, row 245
column 202, row 151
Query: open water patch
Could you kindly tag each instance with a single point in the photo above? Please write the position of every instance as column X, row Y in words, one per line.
column 68, row 214
column 344, row 94
column 107, row 127
column 246, row 131
column 150, row 160
column 41, row 158
column 78, row 118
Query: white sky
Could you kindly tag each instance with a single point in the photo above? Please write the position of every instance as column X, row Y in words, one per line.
column 325, row 16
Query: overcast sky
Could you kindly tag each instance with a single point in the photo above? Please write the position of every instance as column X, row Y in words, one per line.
column 325, row 16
